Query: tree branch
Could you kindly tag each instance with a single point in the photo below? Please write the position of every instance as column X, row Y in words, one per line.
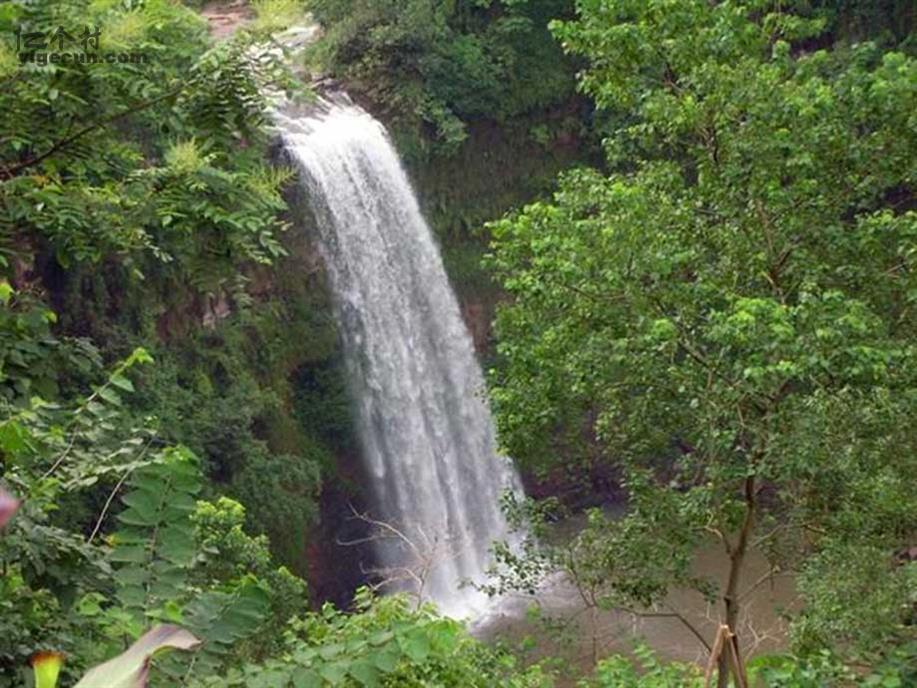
column 674, row 615
column 10, row 172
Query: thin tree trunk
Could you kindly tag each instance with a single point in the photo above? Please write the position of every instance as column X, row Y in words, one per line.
column 731, row 596
column 595, row 638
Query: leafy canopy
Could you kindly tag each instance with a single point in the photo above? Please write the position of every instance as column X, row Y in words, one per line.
column 728, row 316
column 155, row 158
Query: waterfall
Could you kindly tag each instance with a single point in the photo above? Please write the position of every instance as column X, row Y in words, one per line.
column 426, row 433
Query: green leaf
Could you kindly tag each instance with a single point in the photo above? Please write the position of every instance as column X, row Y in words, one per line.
column 334, row 673
column 306, row 678
column 13, row 438
column 155, row 545
column 122, row 382
column 415, row 645
column 386, row 661
column 365, row 674
column 144, row 508
column 6, row 292
column 110, row 395
column 329, row 652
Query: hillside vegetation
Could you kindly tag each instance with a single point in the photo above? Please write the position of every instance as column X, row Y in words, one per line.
column 712, row 306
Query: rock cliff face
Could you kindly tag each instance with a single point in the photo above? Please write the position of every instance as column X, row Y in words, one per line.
column 340, row 550
column 499, row 168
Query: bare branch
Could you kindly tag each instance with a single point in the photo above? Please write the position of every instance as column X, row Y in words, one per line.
column 426, row 553
column 672, row 614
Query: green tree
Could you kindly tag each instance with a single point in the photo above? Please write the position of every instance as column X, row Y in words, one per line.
column 729, row 315
column 155, row 161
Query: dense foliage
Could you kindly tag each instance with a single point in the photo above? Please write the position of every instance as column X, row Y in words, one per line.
column 722, row 317
column 728, row 316
column 443, row 64
column 122, row 158
column 136, row 197
column 122, row 181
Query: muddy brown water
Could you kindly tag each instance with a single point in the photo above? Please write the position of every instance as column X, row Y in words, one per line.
column 589, row 635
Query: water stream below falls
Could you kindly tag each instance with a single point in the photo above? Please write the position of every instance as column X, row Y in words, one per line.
column 426, row 433
column 567, row 629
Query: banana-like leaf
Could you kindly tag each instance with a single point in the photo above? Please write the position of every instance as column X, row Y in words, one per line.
column 132, row 668
column 8, row 506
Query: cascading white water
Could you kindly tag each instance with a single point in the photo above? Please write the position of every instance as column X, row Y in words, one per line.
column 426, row 431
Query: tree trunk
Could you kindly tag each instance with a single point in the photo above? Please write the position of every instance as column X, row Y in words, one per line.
column 731, row 596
